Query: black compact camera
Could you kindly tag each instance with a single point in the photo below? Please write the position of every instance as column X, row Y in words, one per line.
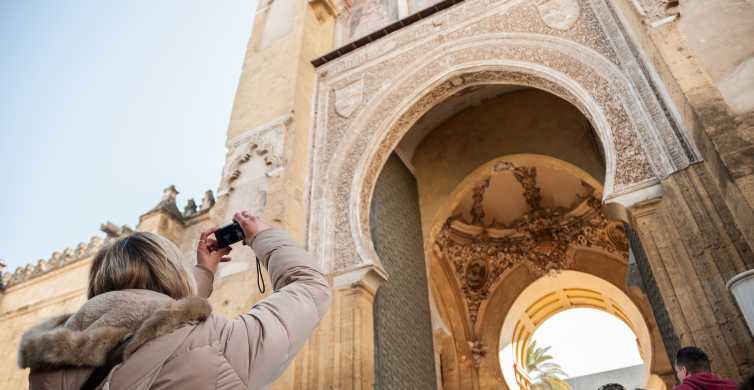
column 229, row 234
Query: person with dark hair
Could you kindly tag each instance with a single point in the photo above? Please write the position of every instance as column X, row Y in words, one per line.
column 692, row 366
column 612, row 386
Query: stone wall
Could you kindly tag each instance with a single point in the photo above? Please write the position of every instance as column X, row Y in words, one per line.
column 654, row 297
column 404, row 355
column 723, row 133
column 693, row 250
column 27, row 304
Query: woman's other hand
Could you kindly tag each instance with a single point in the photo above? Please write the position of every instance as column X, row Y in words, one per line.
column 251, row 225
column 207, row 253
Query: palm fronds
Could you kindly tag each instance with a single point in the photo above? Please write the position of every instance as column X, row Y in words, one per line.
column 543, row 372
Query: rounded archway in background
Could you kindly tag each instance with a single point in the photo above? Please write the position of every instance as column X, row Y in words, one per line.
column 552, row 294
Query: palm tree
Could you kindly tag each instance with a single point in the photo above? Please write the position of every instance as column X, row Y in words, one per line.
column 544, row 374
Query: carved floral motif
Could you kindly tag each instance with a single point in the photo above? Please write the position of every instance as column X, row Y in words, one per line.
column 540, row 240
column 478, row 352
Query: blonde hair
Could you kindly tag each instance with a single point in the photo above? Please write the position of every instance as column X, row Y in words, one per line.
column 140, row 261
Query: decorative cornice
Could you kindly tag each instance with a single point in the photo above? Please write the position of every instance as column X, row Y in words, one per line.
column 409, row 20
column 62, row 259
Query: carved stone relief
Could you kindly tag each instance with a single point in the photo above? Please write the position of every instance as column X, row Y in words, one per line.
column 349, row 98
column 475, row 43
column 559, row 14
column 254, row 154
column 542, row 240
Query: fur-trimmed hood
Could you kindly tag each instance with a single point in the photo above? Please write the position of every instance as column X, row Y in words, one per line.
column 84, row 338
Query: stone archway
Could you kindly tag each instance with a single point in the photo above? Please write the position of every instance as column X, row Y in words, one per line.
column 549, row 295
column 367, row 100
column 353, row 144
column 490, row 260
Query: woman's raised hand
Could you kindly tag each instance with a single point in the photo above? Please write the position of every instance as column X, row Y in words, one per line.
column 251, row 225
column 207, row 253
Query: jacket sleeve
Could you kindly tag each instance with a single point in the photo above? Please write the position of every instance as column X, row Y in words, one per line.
column 260, row 344
column 204, row 279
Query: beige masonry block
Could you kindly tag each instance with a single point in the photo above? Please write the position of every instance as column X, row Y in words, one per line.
column 692, row 255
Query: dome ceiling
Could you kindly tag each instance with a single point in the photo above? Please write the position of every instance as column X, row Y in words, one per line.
column 530, row 213
column 512, row 192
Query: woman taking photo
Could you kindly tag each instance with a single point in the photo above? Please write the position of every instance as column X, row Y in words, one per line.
column 148, row 317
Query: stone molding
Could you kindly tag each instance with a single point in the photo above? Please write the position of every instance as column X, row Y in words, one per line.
column 368, row 277
column 480, row 42
column 265, row 143
column 59, row 260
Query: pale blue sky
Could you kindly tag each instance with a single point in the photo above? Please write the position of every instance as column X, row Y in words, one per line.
column 585, row 341
column 105, row 103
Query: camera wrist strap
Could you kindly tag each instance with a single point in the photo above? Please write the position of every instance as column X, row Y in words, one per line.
column 260, row 278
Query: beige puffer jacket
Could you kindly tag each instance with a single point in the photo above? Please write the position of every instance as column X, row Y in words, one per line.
column 180, row 344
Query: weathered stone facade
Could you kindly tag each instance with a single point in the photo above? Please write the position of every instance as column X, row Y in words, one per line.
column 630, row 98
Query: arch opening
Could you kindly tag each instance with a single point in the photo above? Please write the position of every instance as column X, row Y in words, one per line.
column 488, row 220
column 592, row 347
column 552, row 295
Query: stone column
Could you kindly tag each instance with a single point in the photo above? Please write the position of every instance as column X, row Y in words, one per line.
column 340, row 353
column 692, row 252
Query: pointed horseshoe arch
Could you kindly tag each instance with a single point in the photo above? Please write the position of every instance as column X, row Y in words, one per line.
column 350, row 152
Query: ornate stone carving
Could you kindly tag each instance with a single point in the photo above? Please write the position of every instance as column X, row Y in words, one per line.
column 208, row 200
column 349, row 98
column 475, row 43
column 477, row 211
column 527, row 177
column 478, row 352
column 260, row 148
column 541, row 240
column 559, row 14
column 190, row 208
column 111, row 230
column 167, row 204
